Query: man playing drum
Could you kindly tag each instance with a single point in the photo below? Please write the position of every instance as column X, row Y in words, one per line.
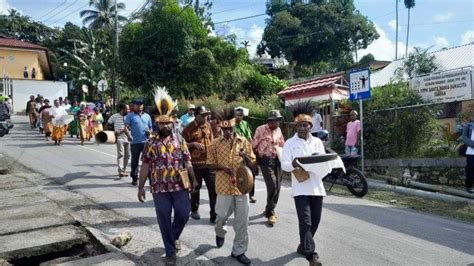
column 226, row 155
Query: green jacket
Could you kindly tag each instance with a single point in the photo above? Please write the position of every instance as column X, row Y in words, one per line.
column 244, row 130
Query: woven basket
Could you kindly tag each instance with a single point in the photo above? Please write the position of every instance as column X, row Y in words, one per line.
column 300, row 174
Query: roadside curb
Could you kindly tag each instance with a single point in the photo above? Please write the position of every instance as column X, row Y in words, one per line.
column 376, row 184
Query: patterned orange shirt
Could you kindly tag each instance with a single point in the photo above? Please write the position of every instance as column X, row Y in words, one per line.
column 224, row 152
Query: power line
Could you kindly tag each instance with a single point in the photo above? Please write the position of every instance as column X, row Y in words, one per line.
column 237, row 19
column 68, row 14
column 232, row 9
column 52, row 10
column 61, row 11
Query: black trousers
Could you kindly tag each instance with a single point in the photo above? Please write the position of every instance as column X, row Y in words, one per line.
column 272, row 177
column 309, row 210
column 209, row 176
column 469, row 171
column 136, row 150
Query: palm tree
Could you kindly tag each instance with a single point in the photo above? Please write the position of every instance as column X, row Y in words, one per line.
column 408, row 4
column 103, row 15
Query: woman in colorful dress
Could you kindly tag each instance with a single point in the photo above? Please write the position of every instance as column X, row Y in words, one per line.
column 83, row 123
column 97, row 121
column 45, row 118
column 74, row 125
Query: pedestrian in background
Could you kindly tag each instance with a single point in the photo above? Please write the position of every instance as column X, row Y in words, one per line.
column 267, row 143
column 468, row 140
column 188, row 117
column 123, row 139
column 353, row 134
column 140, row 126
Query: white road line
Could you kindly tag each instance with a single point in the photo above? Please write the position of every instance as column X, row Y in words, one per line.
column 87, row 148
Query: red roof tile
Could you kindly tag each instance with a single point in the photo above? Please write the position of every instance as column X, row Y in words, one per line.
column 324, row 81
column 4, row 42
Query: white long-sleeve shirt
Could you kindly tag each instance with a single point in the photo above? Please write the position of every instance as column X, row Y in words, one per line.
column 298, row 147
column 57, row 111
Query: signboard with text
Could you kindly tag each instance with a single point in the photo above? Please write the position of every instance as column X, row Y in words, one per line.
column 445, row 86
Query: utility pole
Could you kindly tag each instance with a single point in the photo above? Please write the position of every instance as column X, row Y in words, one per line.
column 115, row 90
column 396, row 30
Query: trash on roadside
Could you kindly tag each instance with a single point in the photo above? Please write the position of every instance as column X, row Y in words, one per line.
column 122, row 239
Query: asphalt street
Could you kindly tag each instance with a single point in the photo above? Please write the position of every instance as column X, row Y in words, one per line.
column 352, row 231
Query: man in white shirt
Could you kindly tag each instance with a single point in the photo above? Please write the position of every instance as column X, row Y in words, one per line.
column 308, row 195
column 123, row 138
column 317, row 121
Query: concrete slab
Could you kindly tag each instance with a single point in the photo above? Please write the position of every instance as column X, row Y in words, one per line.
column 104, row 259
column 21, row 196
column 15, row 219
column 12, row 182
column 40, row 242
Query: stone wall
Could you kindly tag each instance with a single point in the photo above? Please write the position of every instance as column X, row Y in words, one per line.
column 439, row 171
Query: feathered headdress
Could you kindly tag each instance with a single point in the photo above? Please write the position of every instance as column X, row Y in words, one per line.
column 226, row 117
column 302, row 111
column 164, row 105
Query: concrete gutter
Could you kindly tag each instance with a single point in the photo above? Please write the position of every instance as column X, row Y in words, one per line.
column 376, row 184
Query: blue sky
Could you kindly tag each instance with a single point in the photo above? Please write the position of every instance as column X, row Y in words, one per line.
column 434, row 23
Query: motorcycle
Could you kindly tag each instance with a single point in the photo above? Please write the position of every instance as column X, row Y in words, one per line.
column 354, row 179
column 5, row 126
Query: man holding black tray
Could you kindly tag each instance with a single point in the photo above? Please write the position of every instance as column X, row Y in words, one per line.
column 308, row 188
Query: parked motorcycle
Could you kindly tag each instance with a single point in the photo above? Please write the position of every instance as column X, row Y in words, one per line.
column 354, row 179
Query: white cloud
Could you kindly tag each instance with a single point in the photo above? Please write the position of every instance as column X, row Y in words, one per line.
column 4, row 7
column 443, row 17
column 467, row 37
column 393, row 25
column 441, row 42
column 383, row 48
column 253, row 35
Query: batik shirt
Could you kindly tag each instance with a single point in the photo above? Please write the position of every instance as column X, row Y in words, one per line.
column 224, row 152
column 165, row 160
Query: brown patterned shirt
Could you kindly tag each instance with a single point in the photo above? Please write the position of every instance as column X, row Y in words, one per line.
column 200, row 134
column 224, row 152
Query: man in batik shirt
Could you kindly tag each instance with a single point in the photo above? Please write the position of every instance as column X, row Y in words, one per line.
column 166, row 159
column 225, row 155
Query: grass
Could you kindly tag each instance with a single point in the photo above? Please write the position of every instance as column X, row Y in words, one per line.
column 455, row 210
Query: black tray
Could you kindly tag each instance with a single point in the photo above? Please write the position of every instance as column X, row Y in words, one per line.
column 317, row 158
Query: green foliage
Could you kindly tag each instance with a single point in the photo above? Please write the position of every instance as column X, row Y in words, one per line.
column 315, row 36
column 103, row 14
column 23, row 28
column 395, row 133
column 260, row 85
column 419, row 62
column 366, row 59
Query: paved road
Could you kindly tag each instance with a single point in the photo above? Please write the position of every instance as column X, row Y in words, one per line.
column 352, row 231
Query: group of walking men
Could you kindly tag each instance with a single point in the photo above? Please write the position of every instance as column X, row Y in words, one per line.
column 210, row 148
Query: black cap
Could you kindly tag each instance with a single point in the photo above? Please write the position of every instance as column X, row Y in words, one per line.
column 201, row 110
column 138, row 101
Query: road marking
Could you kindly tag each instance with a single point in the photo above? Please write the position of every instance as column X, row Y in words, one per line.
column 87, row 148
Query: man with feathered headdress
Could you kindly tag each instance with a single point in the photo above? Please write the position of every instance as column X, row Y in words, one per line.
column 225, row 155
column 308, row 194
column 166, row 159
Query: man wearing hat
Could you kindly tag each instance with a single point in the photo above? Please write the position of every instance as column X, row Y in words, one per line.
column 188, row 117
column 308, row 194
column 166, row 160
column 267, row 142
column 226, row 155
column 139, row 124
column 198, row 135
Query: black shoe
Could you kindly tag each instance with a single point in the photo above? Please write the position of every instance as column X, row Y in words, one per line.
column 300, row 251
column 314, row 261
column 134, row 182
column 213, row 220
column 195, row 215
column 242, row 259
column 219, row 241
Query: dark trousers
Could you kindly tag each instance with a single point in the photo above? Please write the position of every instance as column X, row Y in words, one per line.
column 136, row 150
column 209, row 177
column 178, row 202
column 272, row 177
column 469, row 171
column 252, row 192
column 309, row 210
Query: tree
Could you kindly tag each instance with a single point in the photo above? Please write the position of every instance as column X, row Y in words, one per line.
column 202, row 9
column 23, row 28
column 366, row 59
column 409, row 4
column 419, row 62
column 103, row 15
column 314, row 34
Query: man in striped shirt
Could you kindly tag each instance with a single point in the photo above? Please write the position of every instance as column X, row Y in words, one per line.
column 123, row 138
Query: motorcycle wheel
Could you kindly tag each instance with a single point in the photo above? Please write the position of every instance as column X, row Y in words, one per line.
column 358, row 186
